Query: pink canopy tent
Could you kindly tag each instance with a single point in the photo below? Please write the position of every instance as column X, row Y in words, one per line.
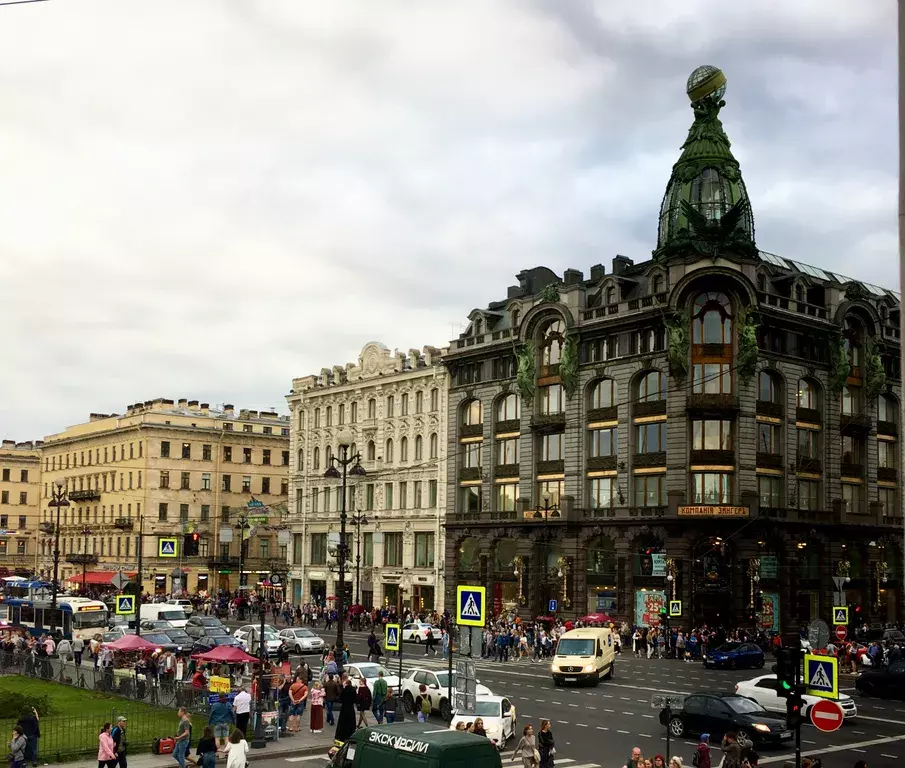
column 595, row 618
column 131, row 643
column 225, row 654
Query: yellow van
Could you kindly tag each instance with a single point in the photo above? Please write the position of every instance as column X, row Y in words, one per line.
column 584, row 654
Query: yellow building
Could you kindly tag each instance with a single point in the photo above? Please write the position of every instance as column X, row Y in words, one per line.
column 175, row 469
column 20, row 478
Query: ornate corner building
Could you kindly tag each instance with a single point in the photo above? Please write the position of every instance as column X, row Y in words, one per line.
column 394, row 406
column 717, row 426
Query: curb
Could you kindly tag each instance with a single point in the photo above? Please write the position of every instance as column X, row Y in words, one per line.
column 155, row 761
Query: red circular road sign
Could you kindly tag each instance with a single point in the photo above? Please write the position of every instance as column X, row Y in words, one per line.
column 841, row 632
column 826, row 715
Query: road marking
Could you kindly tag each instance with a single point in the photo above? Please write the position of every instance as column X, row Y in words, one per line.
column 834, row 748
column 602, row 728
column 650, row 716
column 589, row 707
column 894, row 757
column 808, row 742
column 881, row 720
column 573, row 705
column 581, row 725
column 859, row 733
column 646, row 735
column 563, row 722
column 623, row 731
column 624, row 698
column 862, row 751
column 611, row 711
column 628, row 713
column 299, row 759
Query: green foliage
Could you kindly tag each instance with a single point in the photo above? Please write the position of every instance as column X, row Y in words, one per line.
column 875, row 375
column 840, row 367
column 747, row 344
column 678, row 338
column 550, row 292
column 526, row 376
column 568, row 365
column 14, row 703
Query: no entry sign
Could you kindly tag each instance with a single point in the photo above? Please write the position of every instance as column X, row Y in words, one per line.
column 841, row 633
column 826, row 715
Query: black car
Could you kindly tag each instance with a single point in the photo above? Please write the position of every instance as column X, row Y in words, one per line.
column 178, row 636
column 883, row 682
column 198, row 626
column 722, row 713
column 161, row 640
column 209, row 642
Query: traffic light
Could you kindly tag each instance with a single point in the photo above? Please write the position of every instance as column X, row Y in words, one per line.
column 190, row 544
column 794, row 709
column 785, row 668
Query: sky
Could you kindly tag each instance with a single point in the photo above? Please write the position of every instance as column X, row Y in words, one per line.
column 206, row 199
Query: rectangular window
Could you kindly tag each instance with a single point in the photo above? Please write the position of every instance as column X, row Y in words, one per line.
column 851, row 400
column 711, row 488
column 650, row 490
column 367, row 549
column 185, row 481
column 604, row 442
column 650, row 438
column 601, row 492
column 852, row 450
column 424, row 550
column 768, row 439
column 164, row 450
column 284, row 487
column 4, row 497
column 227, row 453
column 130, row 481
column 353, row 413
column 285, row 458
column 204, row 547
column 506, row 497
column 164, row 479
column 246, row 484
column 507, row 451
column 388, row 496
column 471, row 454
column 267, row 430
column 186, row 450
column 886, row 454
column 551, row 399
column 808, row 444
column 369, row 496
column 247, row 428
column 390, row 406
column 769, row 488
column 432, row 493
column 712, row 378
column 470, row 500
column 318, row 548
column 265, row 485
column 854, row 495
column 206, row 481
column 392, row 549
column 265, row 456
column 20, row 546
column 224, row 548
column 23, row 497
column 550, row 491
column 711, row 435
column 888, row 498
column 315, row 500
column 5, row 475
column 4, row 521
column 3, row 547
column 416, row 495
column 23, row 476
column 298, row 554
column 162, row 512
column 246, row 455
column 206, row 452
column 205, row 513
column 435, row 399
column 264, row 548
column 551, row 447
column 22, row 522
column 183, row 513
column 226, row 483
column 419, row 401
column 372, row 409
column 405, row 404
column 224, row 514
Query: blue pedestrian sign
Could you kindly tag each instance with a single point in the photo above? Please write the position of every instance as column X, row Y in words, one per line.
column 391, row 641
column 552, row 607
column 166, row 548
column 821, row 676
column 471, row 606
column 125, row 605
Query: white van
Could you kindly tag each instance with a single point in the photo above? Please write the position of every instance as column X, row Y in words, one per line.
column 584, row 654
column 163, row 612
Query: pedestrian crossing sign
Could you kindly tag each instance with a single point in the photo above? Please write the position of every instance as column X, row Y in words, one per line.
column 471, row 606
column 675, row 608
column 125, row 604
column 840, row 614
column 166, row 548
column 821, row 676
column 391, row 640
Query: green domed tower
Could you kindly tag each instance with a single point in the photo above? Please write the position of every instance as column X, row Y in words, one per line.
column 706, row 207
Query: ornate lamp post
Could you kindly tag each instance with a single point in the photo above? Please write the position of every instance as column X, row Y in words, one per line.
column 671, row 573
column 58, row 499
column 546, row 513
column 358, row 520
column 351, row 465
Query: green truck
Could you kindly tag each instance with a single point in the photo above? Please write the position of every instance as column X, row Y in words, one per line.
column 415, row 745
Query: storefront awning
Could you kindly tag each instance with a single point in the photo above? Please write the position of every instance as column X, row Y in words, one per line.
column 97, row 578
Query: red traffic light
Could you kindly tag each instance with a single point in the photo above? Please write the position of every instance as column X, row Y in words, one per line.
column 194, row 537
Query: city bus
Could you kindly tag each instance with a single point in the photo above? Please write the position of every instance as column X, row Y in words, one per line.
column 73, row 617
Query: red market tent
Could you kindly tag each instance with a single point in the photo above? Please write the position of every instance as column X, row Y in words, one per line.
column 225, row 654
column 97, row 578
column 595, row 618
column 131, row 643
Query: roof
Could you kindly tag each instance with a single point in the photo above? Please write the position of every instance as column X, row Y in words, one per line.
column 409, row 737
column 589, row 632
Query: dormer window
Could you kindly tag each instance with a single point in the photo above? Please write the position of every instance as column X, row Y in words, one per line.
column 553, row 338
column 610, row 294
column 478, row 327
column 514, row 317
column 657, row 284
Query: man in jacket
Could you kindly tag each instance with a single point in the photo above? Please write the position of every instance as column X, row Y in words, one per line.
column 31, row 729
column 635, row 760
column 732, row 752
column 331, row 696
column 118, row 734
column 379, row 699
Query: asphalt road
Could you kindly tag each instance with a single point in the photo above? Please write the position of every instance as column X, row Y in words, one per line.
column 597, row 727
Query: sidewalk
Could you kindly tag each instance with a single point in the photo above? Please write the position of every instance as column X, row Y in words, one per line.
column 300, row 745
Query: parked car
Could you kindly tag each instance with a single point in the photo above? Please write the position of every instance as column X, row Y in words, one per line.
column 498, row 714
column 765, row 691
column 720, row 713
column 417, row 632
column 249, row 633
column 882, row 682
column 369, row 672
column 302, row 640
column 209, row 642
column 734, row 655
column 179, row 637
column 158, row 624
column 198, row 626
column 437, row 691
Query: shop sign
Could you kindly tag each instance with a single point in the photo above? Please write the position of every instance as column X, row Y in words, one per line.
column 769, row 614
column 658, row 565
column 707, row 510
column 769, row 567
column 648, row 605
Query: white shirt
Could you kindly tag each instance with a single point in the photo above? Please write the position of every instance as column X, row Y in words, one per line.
column 237, row 754
column 242, row 703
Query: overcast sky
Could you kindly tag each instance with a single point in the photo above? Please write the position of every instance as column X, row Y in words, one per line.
column 206, row 198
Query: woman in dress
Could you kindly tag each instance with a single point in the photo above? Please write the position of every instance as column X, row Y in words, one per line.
column 545, row 744
column 316, row 698
column 526, row 749
column 345, row 723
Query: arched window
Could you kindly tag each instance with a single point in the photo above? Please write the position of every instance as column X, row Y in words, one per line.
column 419, row 401
column 404, row 449
column 762, row 283
column 353, row 417
column 433, row 445
column 712, row 319
column 657, row 284
column 514, row 317
column 300, row 463
column 329, row 415
column 419, row 448
column 504, row 553
column 317, row 420
column 372, row 451
column 768, row 389
column 317, row 459
column 390, row 406
column 472, row 413
column 551, row 343
column 388, row 455
column 610, row 295
column 508, row 408
column 853, row 340
column 808, row 395
column 887, row 409
column 651, row 387
column 353, row 449
column 469, row 554
column 478, row 327
column 603, row 394
column 372, row 408
column 328, row 454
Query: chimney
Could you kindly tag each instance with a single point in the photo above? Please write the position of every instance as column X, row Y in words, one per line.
column 252, row 414
column 621, row 264
column 572, row 277
column 228, row 409
column 205, row 408
column 9, row 443
column 514, row 292
column 39, row 443
column 193, row 404
column 183, row 402
column 598, row 272
column 243, row 413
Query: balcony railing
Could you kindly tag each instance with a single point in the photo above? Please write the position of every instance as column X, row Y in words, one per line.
column 81, row 559
column 807, row 464
column 548, row 422
column 470, row 473
column 717, row 457
column 855, row 422
column 471, row 430
column 223, row 561
column 552, row 467
column 712, row 402
column 508, row 426
column 851, row 469
column 809, row 415
column 766, row 408
column 654, row 459
column 506, row 470
column 888, row 474
column 84, row 495
column 769, row 460
column 887, row 428
column 601, row 463
column 603, row 414
column 649, row 408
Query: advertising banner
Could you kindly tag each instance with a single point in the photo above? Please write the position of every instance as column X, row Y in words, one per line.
column 769, row 568
column 769, row 615
column 648, row 604
column 658, row 565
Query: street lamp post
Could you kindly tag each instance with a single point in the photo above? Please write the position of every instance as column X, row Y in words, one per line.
column 358, row 521
column 546, row 513
column 58, row 499
column 351, row 465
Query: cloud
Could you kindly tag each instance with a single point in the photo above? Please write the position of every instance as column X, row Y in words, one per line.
column 207, row 199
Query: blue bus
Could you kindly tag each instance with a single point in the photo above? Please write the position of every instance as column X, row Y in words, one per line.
column 73, row 617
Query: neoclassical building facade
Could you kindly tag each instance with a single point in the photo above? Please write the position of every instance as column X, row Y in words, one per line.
column 717, row 426
column 394, row 405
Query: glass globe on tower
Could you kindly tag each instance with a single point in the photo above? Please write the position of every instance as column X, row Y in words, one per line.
column 706, row 82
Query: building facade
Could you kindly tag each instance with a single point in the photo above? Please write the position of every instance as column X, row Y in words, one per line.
column 715, row 426
column 20, row 482
column 394, row 406
column 169, row 469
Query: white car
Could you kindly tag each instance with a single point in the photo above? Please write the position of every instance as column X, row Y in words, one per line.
column 369, row 672
column 186, row 605
column 302, row 640
column 437, row 691
column 248, row 635
column 765, row 691
column 498, row 714
column 417, row 632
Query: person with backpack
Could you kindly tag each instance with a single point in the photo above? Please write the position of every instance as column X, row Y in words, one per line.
column 31, row 729
column 118, row 735
column 424, row 704
column 701, row 757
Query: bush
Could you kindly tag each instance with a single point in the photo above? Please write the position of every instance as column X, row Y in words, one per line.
column 12, row 703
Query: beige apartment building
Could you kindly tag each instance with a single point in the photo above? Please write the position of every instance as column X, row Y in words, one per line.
column 394, row 405
column 168, row 469
column 20, row 477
